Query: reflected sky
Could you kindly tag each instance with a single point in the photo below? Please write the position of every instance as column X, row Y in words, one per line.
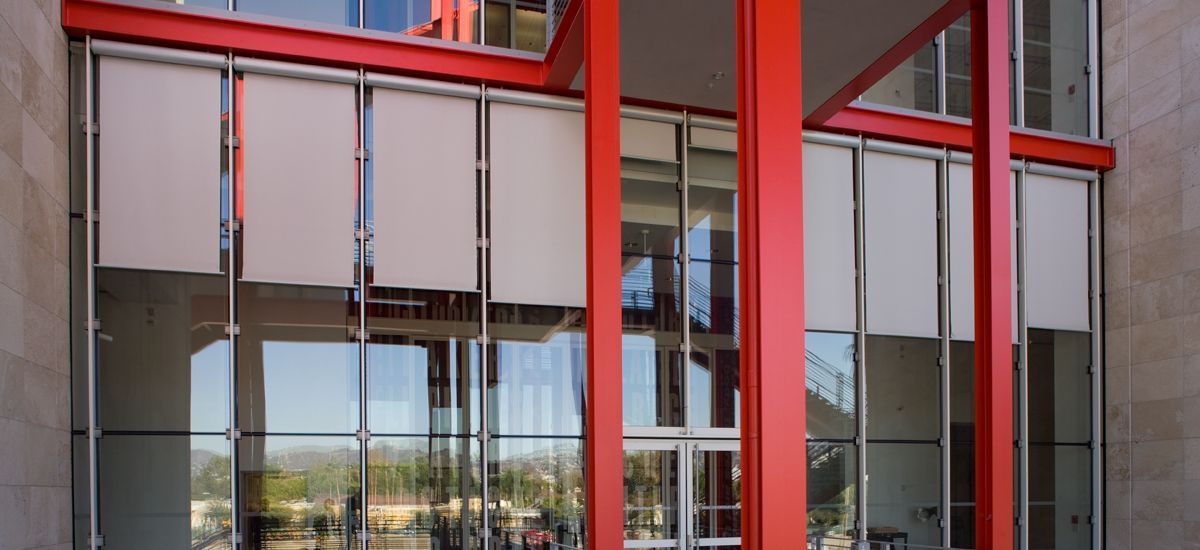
column 210, row 387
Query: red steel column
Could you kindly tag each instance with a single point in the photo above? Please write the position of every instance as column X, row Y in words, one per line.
column 771, row 272
column 993, row 282
column 602, row 114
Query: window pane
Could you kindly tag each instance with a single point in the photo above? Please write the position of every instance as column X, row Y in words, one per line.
column 299, row 491
column 535, row 381
column 219, row 4
column 903, row 388
column 829, row 377
column 517, row 25
column 337, row 12
column 297, row 359
column 714, row 372
column 832, row 490
column 910, row 86
column 163, row 353
column 1060, row 494
column 423, row 492
column 1059, row 386
column 1056, row 80
column 165, row 491
column 535, row 492
column 958, row 67
column 712, row 205
column 422, row 362
column 903, row 492
column 651, row 495
column 81, row 490
column 410, row 17
column 717, row 493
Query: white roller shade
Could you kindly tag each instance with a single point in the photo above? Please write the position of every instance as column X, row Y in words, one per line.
column 962, row 251
column 159, row 165
column 300, row 178
column 537, row 205
column 829, row 238
column 1057, row 252
column 646, row 139
column 900, row 210
column 424, row 184
column 713, row 139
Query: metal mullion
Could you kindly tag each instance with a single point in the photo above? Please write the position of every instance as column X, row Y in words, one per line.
column 1018, row 59
column 1093, row 46
column 482, row 9
column 89, row 216
column 939, row 72
column 860, row 340
column 682, row 493
column 685, row 295
column 1022, row 374
column 365, row 532
column 484, row 356
column 943, row 192
column 362, row 18
column 231, row 281
column 1097, row 458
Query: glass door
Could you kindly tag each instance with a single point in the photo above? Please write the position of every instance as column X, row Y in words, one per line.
column 682, row 494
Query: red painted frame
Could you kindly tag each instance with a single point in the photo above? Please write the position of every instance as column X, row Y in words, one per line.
column 993, row 282
column 771, row 269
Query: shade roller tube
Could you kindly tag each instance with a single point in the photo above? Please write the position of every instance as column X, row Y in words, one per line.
column 531, row 99
column 408, row 83
column 900, row 236
column 1057, row 254
column 295, row 70
column 297, row 144
column 711, row 138
column 643, row 139
column 159, row 166
column 157, row 53
column 829, row 238
column 537, row 205
column 424, row 190
column 961, row 218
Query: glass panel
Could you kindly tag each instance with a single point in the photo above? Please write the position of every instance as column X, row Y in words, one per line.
column 337, row 12
column 832, row 491
column 903, row 493
column 422, row 362
column 714, row 372
column 299, row 491
column 910, row 86
column 829, row 377
column 651, row 495
column 165, row 491
column 520, row 25
column 219, row 4
column 163, row 354
column 78, row 340
column 902, row 388
column 958, row 67
column 717, row 494
column 297, row 359
column 535, row 492
column 535, row 378
column 712, row 205
column 423, row 492
column 1056, row 58
column 1059, row 386
column 80, row 489
column 650, row 294
column 410, row 17
column 1060, row 493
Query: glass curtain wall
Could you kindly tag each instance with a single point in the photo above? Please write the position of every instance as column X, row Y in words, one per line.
column 1052, row 61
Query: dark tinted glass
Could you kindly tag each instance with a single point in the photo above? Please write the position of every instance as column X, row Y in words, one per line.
column 910, row 86
column 904, row 493
column 903, row 388
column 1059, row 386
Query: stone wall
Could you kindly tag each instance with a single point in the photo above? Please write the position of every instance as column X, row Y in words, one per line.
column 35, row 458
column 1151, row 109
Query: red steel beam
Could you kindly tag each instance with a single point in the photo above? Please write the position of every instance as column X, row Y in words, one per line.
column 564, row 55
column 993, row 282
column 771, row 269
column 938, row 131
column 602, row 116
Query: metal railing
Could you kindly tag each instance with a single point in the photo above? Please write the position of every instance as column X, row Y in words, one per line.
column 835, row 542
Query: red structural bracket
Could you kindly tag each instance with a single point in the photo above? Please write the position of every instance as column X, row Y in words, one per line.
column 602, row 121
column 565, row 54
column 771, row 270
column 937, row 131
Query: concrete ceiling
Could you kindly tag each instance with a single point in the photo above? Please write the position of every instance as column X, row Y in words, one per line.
column 683, row 51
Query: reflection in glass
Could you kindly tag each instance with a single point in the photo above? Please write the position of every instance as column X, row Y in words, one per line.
column 422, row 362
column 535, row 385
column 536, row 492
column 337, row 12
column 717, row 494
column 958, row 67
column 714, row 370
column 832, row 490
column 423, row 492
column 297, row 359
column 909, row 86
column 517, row 25
column 903, row 493
column 165, row 491
column 903, row 389
column 410, row 17
column 651, row 495
column 81, row 482
column 1056, row 64
column 219, row 4
column 163, row 355
column 1060, row 497
column 299, row 491
column 712, row 205
column 829, row 377
column 1059, row 386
